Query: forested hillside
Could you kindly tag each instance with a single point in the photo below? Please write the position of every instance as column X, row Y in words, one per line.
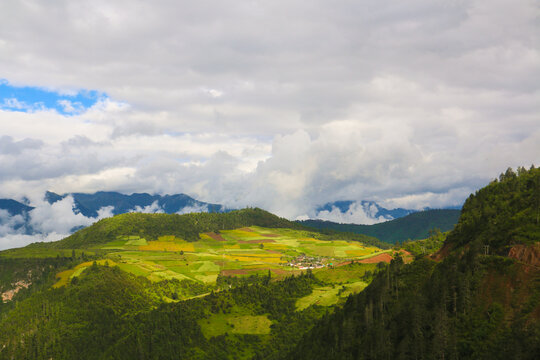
column 250, row 285
column 481, row 300
column 110, row 314
column 187, row 226
column 411, row 227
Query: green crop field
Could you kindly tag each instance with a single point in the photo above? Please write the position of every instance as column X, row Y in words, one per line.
column 235, row 323
column 240, row 252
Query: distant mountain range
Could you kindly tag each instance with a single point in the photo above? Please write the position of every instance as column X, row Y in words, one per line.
column 19, row 217
column 90, row 204
column 41, row 218
column 370, row 208
column 362, row 212
column 14, row 207
column 413, row 226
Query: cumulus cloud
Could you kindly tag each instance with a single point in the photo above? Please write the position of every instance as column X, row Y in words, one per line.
column 45, row 222
column 282, row 105
column 153, row 208
column 15, row 240
column 10, row 147
column 58, row 217
column 193, row 209
column 10, row 223
column 356, row 214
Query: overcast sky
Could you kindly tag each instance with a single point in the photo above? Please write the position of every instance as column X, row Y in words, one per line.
column 279, row 104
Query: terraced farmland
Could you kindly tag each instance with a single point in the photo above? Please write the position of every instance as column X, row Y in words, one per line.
column 245, row 251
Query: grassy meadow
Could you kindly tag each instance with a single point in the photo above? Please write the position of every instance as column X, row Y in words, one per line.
column 240, row 252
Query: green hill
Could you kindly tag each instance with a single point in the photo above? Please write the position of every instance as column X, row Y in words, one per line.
column 481, row 300
column 235, row 286
column 414, row 226
column 187, row 226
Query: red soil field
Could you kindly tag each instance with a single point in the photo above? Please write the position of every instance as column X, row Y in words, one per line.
column 377, row 259
column 215, row 236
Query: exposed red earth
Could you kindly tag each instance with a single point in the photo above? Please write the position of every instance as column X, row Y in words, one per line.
column 215, row 236
column 377, row 259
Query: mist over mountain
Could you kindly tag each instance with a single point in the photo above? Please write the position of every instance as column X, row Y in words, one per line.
column 413, row 226
column 90, row 204
column 14, row 207
column 358, row 212
column 57, row 216
column 362, row 212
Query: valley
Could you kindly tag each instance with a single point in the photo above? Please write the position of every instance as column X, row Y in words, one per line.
column 249, row 285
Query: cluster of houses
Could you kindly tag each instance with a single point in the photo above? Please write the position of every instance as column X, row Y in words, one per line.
column 304, row 262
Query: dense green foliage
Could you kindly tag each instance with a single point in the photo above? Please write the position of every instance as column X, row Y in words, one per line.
column 468, row 306
column 505, row 212
column 151, row 226
column 26, row 276
column 474, row 303
column 108, row 313
column 414, row 226
column 426, row 246
column 433, row 311
column 331, row 234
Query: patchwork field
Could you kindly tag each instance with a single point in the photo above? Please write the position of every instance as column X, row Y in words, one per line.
column 241, row 252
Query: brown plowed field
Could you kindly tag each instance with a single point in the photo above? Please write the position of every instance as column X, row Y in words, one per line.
column 377, row 259
column 215, row 236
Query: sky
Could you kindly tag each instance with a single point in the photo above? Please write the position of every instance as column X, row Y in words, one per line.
column 284, row 105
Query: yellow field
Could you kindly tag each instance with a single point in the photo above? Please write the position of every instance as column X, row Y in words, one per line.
column 254, row 258
column 167, row 246
column 64, row 276
column 360, row 252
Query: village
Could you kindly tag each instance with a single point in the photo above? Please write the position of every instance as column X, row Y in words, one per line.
column 304, row 262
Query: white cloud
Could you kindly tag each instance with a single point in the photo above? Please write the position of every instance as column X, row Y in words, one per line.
column 46, row 222
column 70, row 106
column 15, row 240
column 356, row 214
column 153, row 208
column 283, row 105
column 58, row 217
column 9, row 223
column 193, row 209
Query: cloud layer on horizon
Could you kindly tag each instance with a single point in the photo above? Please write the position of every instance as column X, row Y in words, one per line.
column 282, row 105
column 51, row 222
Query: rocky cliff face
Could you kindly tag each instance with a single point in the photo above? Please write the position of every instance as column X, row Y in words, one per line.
column 528, row 254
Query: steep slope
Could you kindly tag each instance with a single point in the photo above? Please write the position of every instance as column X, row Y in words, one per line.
column 413, row 226
column 109, row 314
column 474, row 303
